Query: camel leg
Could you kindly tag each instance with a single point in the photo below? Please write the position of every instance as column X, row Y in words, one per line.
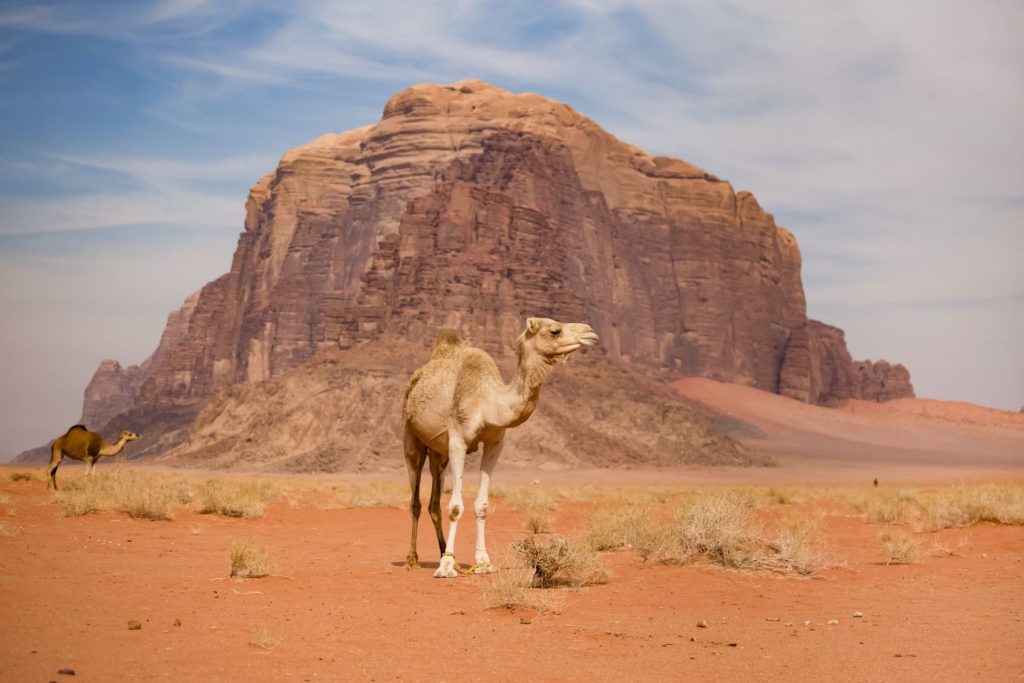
column 487, row 463
column 415, row 456
column 437, row 465
column 51, row 470
column 92, row 463
column 457, row 456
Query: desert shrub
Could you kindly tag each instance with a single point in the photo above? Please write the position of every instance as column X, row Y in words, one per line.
column 627, row 525
column 899, row 546
column 139, row 494
column 798, row 547
column 148, row 504
column 21, row 476
column 886, row 505
column 512, row 587
column 236, row 498
column 508, row 588
column 249, row 558
column 555, row 561
column 966, row 505
column 942, row 508
column 720, row 528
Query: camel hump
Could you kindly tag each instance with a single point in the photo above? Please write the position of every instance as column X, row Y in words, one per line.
column 447, row 342
column 74, row 427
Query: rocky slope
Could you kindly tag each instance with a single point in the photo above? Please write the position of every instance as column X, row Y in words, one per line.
column 342, row 411
column 470, row 207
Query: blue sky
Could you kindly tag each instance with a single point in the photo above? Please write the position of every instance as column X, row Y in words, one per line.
column 885, row 135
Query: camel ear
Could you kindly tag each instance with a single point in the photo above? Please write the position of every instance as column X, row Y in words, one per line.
column 532, row 326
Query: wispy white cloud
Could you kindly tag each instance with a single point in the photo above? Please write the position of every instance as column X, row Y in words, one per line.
column 179, row 207
column 155, row 171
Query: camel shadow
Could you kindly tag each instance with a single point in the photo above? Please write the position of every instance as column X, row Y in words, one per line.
column 422, row 565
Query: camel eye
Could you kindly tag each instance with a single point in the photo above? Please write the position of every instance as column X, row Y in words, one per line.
column 556, row 332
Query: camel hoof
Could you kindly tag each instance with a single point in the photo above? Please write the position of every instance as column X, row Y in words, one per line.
column 446, row 570
column 412, row 560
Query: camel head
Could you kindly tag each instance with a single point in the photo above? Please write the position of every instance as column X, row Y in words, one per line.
column 129, row 436
column 554, row 341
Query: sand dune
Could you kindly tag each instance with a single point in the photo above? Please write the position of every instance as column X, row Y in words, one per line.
column 907, row 437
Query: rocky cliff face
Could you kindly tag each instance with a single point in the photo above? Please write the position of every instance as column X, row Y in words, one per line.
column 114, row 390
column 470, row 207
column 817, row 368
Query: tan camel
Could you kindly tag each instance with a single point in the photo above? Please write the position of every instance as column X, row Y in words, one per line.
column 78, row 443
column 456, row 402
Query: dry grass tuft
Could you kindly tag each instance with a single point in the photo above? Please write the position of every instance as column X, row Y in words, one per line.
column 627, row 525
column 531, row 497
column 886, row 505
column 720, row 528
column 537, row 502
column 899, row 546
column 21, row 476
column 369, row 495
column 141, row 495
column 236, row 498
column 942, row 508
column 798, row 548
column 559, row 562
column 967, row 505
column 249, row 558
column 509, row 588
column 539, row 520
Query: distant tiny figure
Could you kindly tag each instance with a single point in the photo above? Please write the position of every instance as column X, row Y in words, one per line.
column 78, row 443
column 876, row 481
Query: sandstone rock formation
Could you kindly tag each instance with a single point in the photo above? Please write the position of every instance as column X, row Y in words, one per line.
column 109, row 392
column 817, row 368
column 470, row 207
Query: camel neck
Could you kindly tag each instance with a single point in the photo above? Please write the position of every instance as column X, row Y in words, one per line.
column 114, row 448
column 531, row 372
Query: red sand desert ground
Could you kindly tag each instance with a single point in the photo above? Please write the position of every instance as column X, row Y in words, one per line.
column 340, row 605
